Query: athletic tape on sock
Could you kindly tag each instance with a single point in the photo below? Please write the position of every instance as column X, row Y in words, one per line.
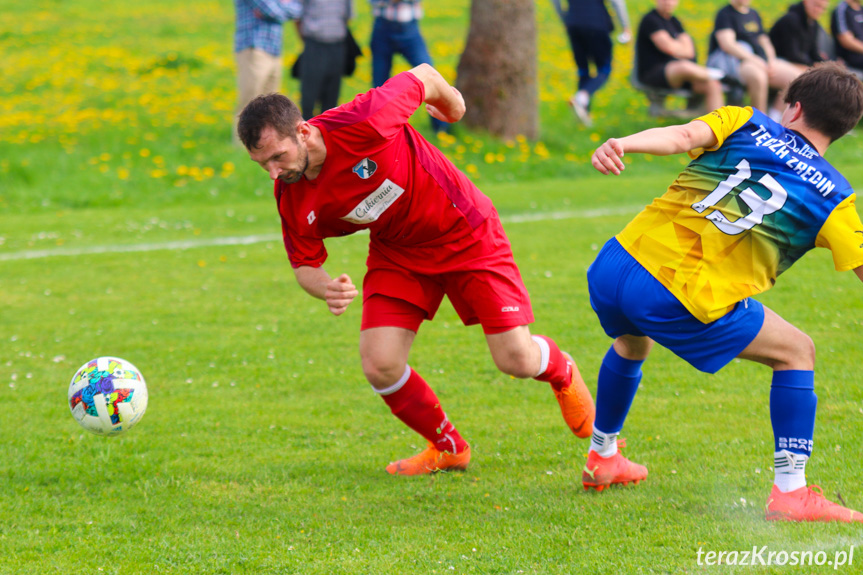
column 544, row 352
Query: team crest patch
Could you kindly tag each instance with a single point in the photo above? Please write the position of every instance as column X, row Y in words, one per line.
column 365, row 168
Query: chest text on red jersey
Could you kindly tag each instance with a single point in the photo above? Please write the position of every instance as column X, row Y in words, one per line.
column 375, row 204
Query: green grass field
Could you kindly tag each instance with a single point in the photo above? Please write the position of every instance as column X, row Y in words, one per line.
column 263, row 448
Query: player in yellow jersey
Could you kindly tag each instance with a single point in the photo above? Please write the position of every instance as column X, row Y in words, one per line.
column 756, row 196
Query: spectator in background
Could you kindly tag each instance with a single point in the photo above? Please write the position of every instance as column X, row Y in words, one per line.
column 666, row 56
column 740, row 48
column 847, row 27
column 258, row 48
column 589, row 27
column 797, row 34
column 396, row 30
column 324, row 29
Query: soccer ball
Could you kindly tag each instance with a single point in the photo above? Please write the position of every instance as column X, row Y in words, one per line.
column 108, row 396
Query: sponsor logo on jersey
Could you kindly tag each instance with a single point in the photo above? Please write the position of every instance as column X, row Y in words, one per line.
column 311, row 217
column 375, row 204
column 365, row 168
column 509, row 308
column 861, row 233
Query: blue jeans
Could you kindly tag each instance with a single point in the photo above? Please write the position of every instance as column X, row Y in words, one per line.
column 589, row 45
column 390, row 38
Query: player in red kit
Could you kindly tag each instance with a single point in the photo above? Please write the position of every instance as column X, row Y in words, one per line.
column 432, row 233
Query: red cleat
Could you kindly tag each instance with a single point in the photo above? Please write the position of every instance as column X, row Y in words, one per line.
column 430, row 460
column 576, row 403
column 600, row 472
column 805, row 504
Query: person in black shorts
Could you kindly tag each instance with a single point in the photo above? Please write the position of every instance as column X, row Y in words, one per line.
column 666, row 56
column 740, row 48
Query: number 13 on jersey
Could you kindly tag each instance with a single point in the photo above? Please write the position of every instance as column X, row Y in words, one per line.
column 760, row 207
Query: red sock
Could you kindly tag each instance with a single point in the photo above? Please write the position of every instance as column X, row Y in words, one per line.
column 418, row 407
column 557, row 372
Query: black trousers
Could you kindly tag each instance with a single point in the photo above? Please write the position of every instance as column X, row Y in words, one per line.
column 321, row 75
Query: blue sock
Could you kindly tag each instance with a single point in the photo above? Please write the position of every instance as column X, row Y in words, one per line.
column 792, row 410
column 617, row 383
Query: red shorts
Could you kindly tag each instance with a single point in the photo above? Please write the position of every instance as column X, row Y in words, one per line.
column 483, row 285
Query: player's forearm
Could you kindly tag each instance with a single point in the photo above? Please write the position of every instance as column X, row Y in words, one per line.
column 313, row 280
column 439, row 94
column 658, row 141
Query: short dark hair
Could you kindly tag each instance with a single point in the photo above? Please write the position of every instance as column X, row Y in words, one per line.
column 274, row 110
column 831, row 98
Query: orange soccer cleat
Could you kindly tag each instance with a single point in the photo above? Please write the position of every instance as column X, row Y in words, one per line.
column 576, row 403
column 600, row 472
column 430, row 460
column 805, row 504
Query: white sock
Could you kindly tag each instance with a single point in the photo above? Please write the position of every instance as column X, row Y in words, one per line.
column 790, row 469
column 604, row 444
column 583, row 98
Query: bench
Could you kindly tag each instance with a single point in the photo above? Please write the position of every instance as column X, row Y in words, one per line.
column 658, row 97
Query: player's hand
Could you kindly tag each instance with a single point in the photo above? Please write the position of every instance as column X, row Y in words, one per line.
column 608, row 158
column 340, row 293
column 458, row 109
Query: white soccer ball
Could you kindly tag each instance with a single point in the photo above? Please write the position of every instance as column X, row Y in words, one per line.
column 108, row 396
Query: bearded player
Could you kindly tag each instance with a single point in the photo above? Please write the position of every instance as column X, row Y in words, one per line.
column 756, row 197
column 433, row 233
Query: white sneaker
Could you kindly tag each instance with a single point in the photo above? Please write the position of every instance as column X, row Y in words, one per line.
column 715, row 73
column 581, row 111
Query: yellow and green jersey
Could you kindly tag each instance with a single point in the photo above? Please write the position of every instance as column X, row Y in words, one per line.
column 743, row 212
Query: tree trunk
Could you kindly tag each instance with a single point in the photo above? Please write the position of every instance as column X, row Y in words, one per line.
column 497, row 73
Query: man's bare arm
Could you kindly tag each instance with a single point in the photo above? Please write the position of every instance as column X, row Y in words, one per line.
column 656, row 141
column 338, row 292
column 443, row 101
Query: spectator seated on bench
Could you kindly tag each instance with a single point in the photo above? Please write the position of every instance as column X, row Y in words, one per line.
column 740, row 48
column 665, row 63
column 846, row 24
column 796, row 36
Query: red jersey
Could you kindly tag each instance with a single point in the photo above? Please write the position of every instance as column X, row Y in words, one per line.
column 380, row 174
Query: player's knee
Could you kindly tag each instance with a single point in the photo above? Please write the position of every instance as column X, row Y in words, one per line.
column 806, row 351
column 382, row 371
column 799, row 353
column 517, row 363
